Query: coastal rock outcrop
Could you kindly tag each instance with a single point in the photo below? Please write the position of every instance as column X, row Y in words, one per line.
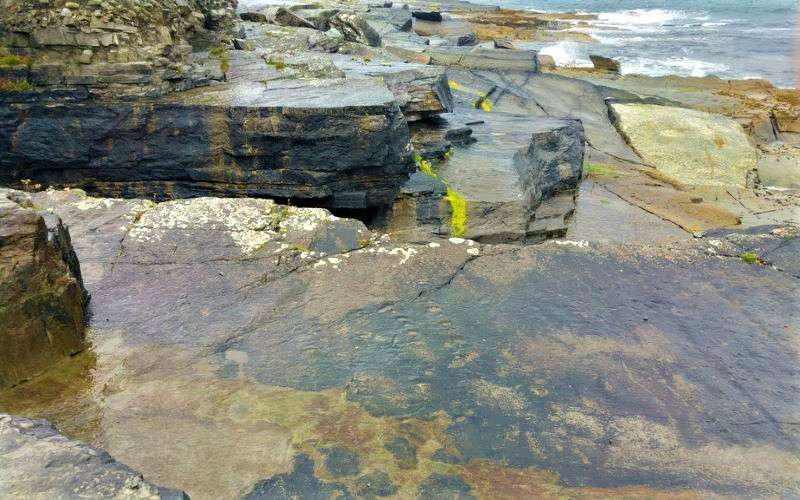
column 42, row 298
column 38, row 462
column 111, row 48
column 341, row 143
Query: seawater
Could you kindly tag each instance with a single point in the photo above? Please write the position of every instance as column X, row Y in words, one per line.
column 726, row 38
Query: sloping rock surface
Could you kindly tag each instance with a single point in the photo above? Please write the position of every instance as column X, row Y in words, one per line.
column 451, row 367
column 687, row 145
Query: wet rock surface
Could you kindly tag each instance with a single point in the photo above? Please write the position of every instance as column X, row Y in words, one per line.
column 42, row 298
column 247, row 347
column 459, row 368
column 38, row 462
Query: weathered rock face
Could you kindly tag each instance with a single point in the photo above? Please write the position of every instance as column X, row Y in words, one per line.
column 113, row 48
column 605, row 64
column 364, row 371
column 516, row 179
column 42, row 299
column 38, row 462
column 554, row 160
column 690, row 146
column 341, row 143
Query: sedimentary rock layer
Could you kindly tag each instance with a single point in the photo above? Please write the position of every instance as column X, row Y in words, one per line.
column 341, row 143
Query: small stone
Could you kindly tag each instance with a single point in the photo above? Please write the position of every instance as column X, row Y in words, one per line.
column 86, row 57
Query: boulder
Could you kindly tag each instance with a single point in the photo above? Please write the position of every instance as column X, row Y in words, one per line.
column 38, row 462
column 689, row 146
column 432, row 16
column 546, row 62
column 512, row 180
column 503, row 43
column 331, row 142
column 285, row 17
column 602, row 63
column 553, row 162
column 43, row 300
column 253, row 17
column 393, row 19
column 420, row 90
column 466, row 40
column 356, row 28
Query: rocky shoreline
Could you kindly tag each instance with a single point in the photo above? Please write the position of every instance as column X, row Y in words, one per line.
column 347, row 249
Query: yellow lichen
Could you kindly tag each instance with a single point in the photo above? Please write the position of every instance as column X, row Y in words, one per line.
column 458, row 212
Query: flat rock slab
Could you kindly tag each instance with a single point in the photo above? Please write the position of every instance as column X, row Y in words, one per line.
column 690, row 146
column 486, row 59
column 420, row 90
column 339, row 143
column 433, row 368
column 38, row 462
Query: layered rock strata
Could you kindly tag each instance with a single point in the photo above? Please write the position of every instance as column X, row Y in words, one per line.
column 339, row 143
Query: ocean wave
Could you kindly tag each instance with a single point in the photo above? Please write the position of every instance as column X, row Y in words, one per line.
column 568, row 53
column 639, row 17
column 682, row 66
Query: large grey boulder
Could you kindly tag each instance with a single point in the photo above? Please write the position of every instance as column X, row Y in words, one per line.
column 553, row 162
column 285, row 17
column 36, row 462
column 42, row 298
column 356, row 28
column 340, row 143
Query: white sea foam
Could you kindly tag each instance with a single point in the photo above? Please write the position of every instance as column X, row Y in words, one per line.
column 683, row 66
column 568, row 53
column 639, row 17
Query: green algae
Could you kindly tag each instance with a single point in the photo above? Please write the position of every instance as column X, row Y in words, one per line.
column 750, row 257
column 600, row 169
column 221, row 53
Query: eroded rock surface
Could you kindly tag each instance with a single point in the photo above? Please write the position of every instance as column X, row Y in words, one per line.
column 42, row 298
column 440, row 368
column 37, row 462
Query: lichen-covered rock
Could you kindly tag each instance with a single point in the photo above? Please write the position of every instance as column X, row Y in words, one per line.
column 42, row 299
column 690, row 146
column 37, row 462
column 341, row 143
